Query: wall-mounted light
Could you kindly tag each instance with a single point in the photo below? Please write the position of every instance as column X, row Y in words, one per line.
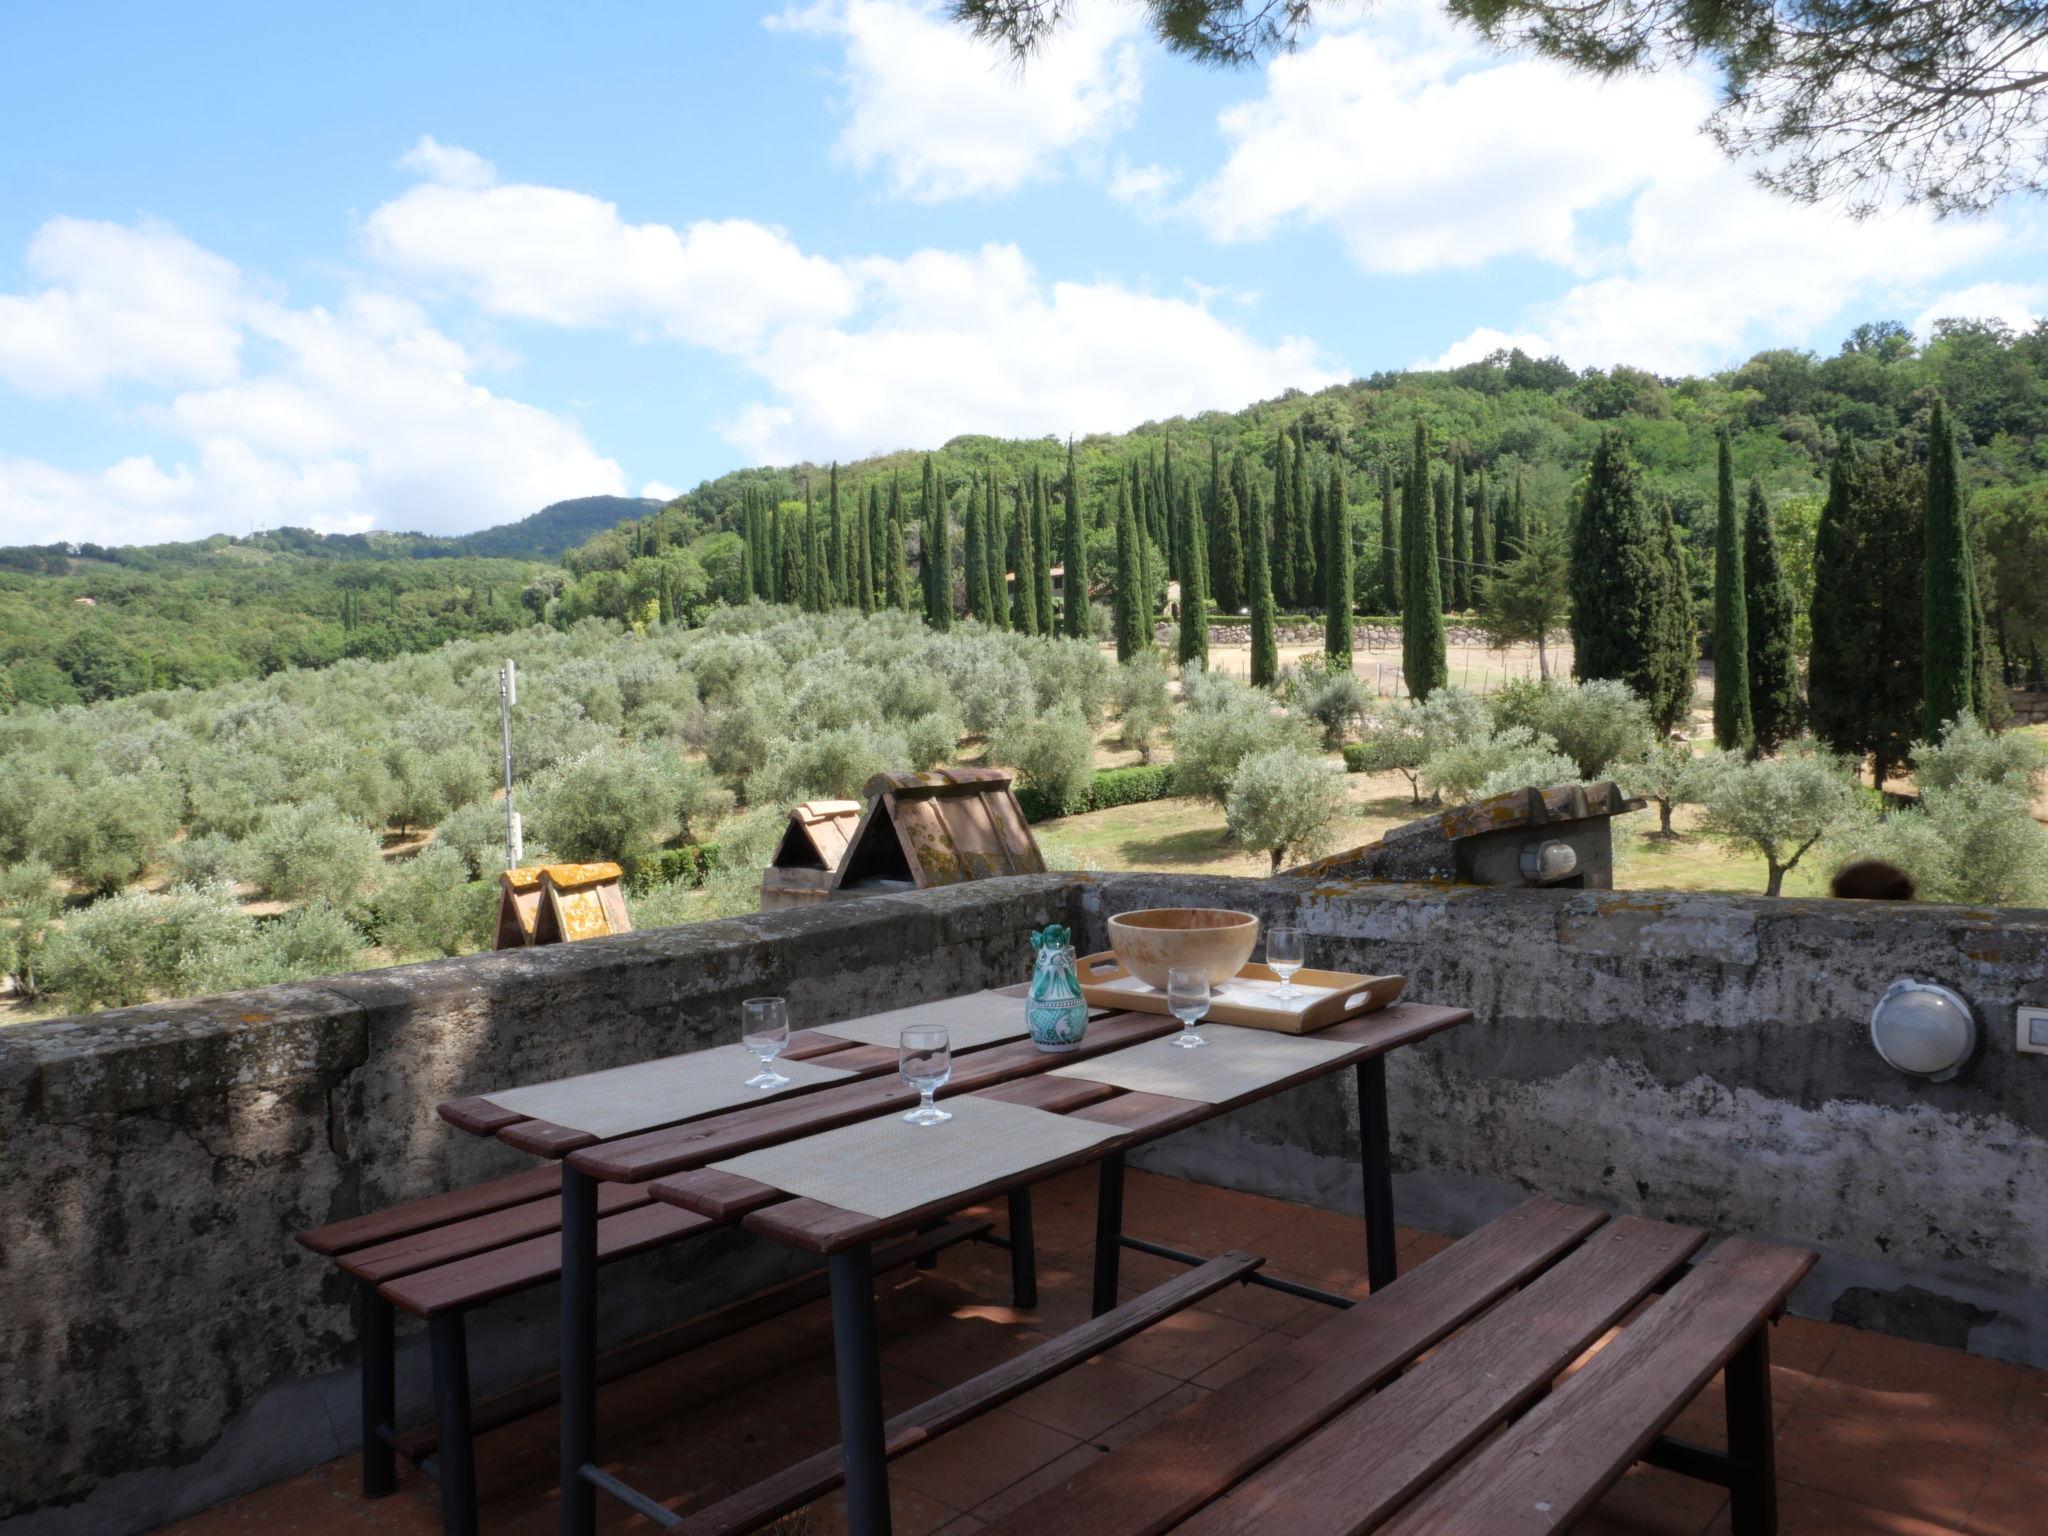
column 1548, row 860
column 1923, row 1029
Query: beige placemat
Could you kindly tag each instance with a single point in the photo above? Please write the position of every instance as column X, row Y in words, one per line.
column 978, row 1019
column 1233, row 1062
column 622, row 1100
column 1246, row 991
column 884, row 1167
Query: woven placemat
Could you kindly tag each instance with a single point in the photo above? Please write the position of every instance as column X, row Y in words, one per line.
column 1233, row 1062
column 622, row 1100
column 884, row 1167
column 978, row 1019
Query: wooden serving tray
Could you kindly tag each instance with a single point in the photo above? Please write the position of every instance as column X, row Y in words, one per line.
column 1246, row 998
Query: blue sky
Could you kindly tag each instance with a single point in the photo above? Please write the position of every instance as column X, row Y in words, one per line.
column 431, row 267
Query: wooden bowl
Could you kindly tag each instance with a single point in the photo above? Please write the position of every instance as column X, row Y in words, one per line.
column 1162, row 939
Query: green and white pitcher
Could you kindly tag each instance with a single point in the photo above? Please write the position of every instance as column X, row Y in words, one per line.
column 1056, row 1012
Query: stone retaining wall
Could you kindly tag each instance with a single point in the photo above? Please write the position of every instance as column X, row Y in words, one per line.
column 164, row 1343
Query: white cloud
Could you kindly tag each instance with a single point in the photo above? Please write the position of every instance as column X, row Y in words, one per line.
column 659, row 490
column 1143, row 187
column 545, row 253
column 946, row 116
column 1424, row 152
column 448, row 164
column 141, row 303
column 2018, row 305
column 361, row 416
column 980, row 343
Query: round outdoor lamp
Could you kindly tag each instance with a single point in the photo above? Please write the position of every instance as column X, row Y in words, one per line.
column 1923, row 1029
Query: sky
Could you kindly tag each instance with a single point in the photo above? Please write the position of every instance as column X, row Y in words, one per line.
column 433, row 267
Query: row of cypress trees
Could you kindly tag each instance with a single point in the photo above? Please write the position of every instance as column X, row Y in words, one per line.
column 1756, row 678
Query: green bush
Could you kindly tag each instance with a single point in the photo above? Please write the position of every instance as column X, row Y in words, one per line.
column 132, row 947
column 207, row 859
column 606, row 803
column 1229, row 724
column 831, row 765
column 106, row 832
column 1143, row 705
column 1969, row 755
column 1597, row 725
column 1053, row 753
column 311, row 852
column 1513, row 758
column 430, row 906
column 309, row 941
column 1285, row 803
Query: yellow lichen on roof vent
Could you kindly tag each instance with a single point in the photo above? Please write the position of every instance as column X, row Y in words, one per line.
column 580, row 901
column 939, row 828
column 519, row 898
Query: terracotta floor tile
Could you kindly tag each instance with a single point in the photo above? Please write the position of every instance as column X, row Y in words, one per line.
column 1092, row 1396
column 969, row 1466
column 1906, row 1415
column 2013, row 1502
column 1963, row 1381
column 1865, row 1461
column 1809, row 1512
column 961, row 1525
column 2024, row 1439
column 1651, row 1502
column 1186, row 1344
column 2030, row 1394
column 1258, row 1305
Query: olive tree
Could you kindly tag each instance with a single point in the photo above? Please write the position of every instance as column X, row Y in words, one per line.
column 1598, row 724
column 1143, row 705
column 1780, row 807
column 1225, row 724
column 1671, row 776
column 311, row 852
column 1286, row 804
column 1053, row 752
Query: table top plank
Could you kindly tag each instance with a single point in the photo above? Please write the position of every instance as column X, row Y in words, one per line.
column 1056, row 1095
column 815, row 1227
column 1179, row 1464
column 671, row 1149
column 1552, row 1464
column 711, row 1192
column 1372, row 1457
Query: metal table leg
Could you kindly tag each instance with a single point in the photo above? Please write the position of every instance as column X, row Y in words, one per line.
column 857, row 1364
column 1752, row 1453
column 1109, row 1228
column 1375, row 1161
column 374, row 1337
column 454, row 1446
column 1023, row 1256
column 579, row 1350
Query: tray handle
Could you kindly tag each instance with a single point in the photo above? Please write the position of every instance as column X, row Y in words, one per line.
column 1101, row 965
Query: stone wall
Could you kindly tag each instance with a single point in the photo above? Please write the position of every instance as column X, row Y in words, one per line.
column 165, row 1344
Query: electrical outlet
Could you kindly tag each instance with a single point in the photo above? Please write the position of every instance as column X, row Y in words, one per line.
column 2033, row 1031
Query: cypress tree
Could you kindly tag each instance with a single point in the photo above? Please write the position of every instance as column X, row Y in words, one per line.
column 1024, row 600
column 1264, row 636
column 1337, row 621
column 1952, row 688
column 1241, row 494
column 1130, row 576
column 814, row 565
column 1307, row 577
column 1461, row 539
column 1390, row 541
column 1440, row 504
column 976, row 562
column 789, row 562
column 1074, row 582
column 1171, row 513
column 1621, row 581
column 1226, row 549
column 860, row 563
column 1424, row 663
column 1283, row 531
column 1484, row 556
column 995, row 546
column 1773, row 668
column 1193, row 649
column 895, row 582
column 1041, row 546
column 746, row 559
column 840, row 589
column 1519, row 519
column 1732, row 727
column 1677, row 634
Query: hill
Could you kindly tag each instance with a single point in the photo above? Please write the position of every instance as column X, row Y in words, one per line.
column 556, row 529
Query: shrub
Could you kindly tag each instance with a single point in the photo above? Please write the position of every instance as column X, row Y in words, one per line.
column 105, row 832
column 1970, row 755
column 1131, row 786
column 431, row 906
column 129, row 948
column 1513, row 758
column 700, row 799
column 1596, row 724
column 1284, row 803
column 990, row 687
column 1053, row 753
column 741, row 734
column 1334, row 698
column 932, row 739
column 1064, row 671
column 309, row 941
column 1230, row 723
column 611, row 801
column 311, row 852
column 832, row 765
column 208, row 859
column 1143, row 704
column 477, row 834
column 1971, row 842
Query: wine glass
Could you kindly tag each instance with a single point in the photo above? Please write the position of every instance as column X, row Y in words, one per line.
column 1284, row 955
column 764, row 1030
column 1187, row 998
column 926, row 1062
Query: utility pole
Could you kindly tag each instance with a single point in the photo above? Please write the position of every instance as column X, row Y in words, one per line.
column 508, row 695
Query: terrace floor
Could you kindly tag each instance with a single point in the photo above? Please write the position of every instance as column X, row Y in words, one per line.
column 1875, row 1435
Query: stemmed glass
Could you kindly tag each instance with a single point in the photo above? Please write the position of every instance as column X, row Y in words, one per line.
column 1284, row 955
column 764, row 1030
column 926, row 1062
column 1187, row 998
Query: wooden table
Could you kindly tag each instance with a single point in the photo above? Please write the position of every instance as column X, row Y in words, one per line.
column 848, row 1238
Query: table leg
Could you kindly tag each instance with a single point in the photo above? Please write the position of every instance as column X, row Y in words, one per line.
column 1375, row 1161
column 857, row 1364
column 1109, row 1230
column 579, row 1350
column 374, row 1335
column 1752, row 1453
column 454, row 1446
column 1023, row 1256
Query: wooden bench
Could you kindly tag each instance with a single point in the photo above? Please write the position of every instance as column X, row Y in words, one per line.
column 1433, row 1407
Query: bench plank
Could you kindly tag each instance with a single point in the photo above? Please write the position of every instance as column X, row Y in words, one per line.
column 818, row 1475
column 485, row 1276
column 1549, row 1467
column 1181, row 1463
column 1371, row 1458
column 432, row 1211
column 651, row 1154
column 479, row 1234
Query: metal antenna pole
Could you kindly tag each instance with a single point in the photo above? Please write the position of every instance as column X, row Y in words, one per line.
column 508, row 695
